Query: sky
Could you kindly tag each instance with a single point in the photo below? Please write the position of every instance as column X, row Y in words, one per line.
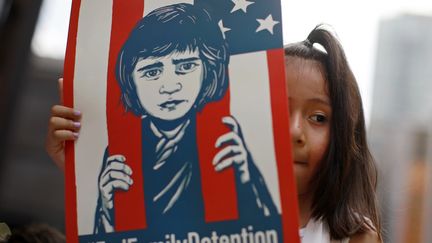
column 355, row 22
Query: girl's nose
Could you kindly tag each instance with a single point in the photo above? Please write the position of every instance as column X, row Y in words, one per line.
column 170, row 88
column 297, row 130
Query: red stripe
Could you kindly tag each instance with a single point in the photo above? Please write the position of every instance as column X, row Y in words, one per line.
column 279, row 104
column 69, row 68
column 218, row 188
column 124, row 129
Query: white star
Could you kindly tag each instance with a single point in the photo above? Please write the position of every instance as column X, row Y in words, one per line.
column 266, row 24
column 223, row 28
column 240, row 4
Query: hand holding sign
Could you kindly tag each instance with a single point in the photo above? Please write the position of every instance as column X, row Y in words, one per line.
column 116, row 175
column 235, row 153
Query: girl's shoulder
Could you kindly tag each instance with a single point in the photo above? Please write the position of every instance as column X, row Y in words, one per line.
column 369, row 236
column 318, row 231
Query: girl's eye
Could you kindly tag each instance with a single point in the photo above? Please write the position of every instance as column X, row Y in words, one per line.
column 187, row 67
column 152, row 74
column 318, row 118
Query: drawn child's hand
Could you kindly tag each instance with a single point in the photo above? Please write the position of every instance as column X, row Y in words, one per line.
column 64, row 124
column 115, row 175
column 234, row 153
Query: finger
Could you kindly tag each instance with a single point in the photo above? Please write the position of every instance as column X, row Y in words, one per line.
column 59, row 123
column 229, row 161
column 114, row 185
column 228, row 150
column 230, row 137
column 60, row 89
column 112, row 175
column 108, row 189
column 63, row 135
column 119, row 166
column 244, row 176
column 230, row 121
column 116, row 157
column 116, row 162
column 109, row 204
column 107, row 194
column 65, row 112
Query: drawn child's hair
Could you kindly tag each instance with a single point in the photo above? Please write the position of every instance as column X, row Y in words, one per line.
column 345, row 181
column 169, row 29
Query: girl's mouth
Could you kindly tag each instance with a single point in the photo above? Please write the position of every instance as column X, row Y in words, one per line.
column 300, row 162
column 171, row 104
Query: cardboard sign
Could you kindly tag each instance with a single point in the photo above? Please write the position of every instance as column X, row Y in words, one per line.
column 185, row 133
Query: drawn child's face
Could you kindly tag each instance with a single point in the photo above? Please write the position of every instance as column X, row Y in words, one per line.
column 168, row 86
column 310, row 118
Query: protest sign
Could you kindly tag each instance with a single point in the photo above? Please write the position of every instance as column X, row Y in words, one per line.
column 185, row 131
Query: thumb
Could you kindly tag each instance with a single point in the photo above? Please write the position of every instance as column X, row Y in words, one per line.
column 60, row 89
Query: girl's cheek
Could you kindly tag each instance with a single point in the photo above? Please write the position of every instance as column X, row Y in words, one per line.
column 319, row 141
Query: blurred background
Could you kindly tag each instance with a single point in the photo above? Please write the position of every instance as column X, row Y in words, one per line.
column 388, row 44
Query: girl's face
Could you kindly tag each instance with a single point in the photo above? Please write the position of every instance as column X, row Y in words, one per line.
column 310, row 117
column 168, row 86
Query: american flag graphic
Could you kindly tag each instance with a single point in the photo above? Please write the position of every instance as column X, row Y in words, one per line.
column 256, row 97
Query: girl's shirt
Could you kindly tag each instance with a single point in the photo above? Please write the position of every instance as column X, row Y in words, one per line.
column 317, row 232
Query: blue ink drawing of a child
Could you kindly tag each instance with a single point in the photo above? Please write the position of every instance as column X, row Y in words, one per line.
column 173, row 63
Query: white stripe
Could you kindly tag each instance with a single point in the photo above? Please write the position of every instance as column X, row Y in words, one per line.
column 251, row 106
column 93, row 38
column 151, row 5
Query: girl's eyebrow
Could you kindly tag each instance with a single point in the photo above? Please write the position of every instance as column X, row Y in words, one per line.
column 316, row 100
column 190, row 59
column 319, row 100
column 150, row 66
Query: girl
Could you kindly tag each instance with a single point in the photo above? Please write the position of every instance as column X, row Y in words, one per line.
column 335, row 172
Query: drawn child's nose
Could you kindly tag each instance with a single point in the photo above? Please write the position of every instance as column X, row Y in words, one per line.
column 170, row 88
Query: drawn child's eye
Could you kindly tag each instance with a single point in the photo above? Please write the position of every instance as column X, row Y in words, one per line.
column 186, row 67
column 152, row 74
column 318, row 118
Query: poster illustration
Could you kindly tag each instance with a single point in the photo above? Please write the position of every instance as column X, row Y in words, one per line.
column 185, row 132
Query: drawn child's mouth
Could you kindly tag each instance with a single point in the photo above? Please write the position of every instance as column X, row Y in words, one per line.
column 171, row 104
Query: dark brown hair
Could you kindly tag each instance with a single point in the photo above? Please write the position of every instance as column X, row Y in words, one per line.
column 345, row 182
column 37, row 233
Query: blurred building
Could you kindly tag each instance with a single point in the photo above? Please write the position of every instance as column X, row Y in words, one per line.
column 400, row 131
